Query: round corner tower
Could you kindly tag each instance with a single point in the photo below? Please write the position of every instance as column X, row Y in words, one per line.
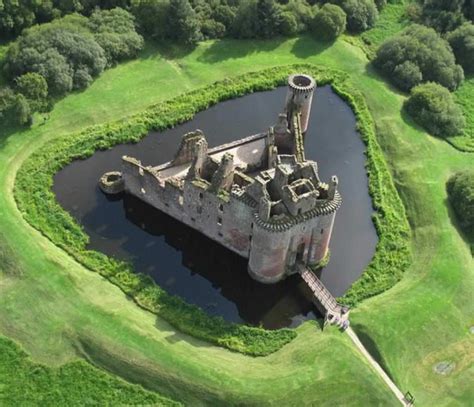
column 301, row 88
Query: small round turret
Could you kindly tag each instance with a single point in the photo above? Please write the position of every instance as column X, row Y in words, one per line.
column 112, row 183
column 299, row 97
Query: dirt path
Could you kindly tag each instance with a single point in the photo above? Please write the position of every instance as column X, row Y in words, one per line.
column 378, row 369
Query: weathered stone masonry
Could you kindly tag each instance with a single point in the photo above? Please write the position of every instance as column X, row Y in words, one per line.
column 257, row 196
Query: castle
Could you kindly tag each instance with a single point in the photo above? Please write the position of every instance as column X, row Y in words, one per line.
column 257, row 196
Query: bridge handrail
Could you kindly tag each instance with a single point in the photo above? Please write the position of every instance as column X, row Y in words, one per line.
column 323, row 295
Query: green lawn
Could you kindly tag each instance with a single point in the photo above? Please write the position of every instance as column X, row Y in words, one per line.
column 425, row 319
column 391, row 20
column 465, row 98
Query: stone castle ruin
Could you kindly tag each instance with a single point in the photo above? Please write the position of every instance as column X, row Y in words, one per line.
column 257, row 196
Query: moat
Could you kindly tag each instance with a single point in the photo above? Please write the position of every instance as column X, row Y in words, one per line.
column 186, row 263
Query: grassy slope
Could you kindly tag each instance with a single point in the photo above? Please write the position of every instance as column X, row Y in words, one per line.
column 27, row 383
column 422, row 320
column 464, row 97
column 391, row 20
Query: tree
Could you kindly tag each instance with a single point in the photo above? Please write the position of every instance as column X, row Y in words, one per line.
column 423, row 48
column 302, row 12
column 407, row 75
column 246, row 24
column 443, row 15
column 462, row 43
column 151, row 17
column 433, row 107
column 288, row 24
column 34, row 88
column 361, row 14
column 14, row 108
column 460, row 189
column 16, row 15
column 225, row 14
column 115, row 32
column 21, row 111
column 329, row 22
column 183, row 25
column 269, row 18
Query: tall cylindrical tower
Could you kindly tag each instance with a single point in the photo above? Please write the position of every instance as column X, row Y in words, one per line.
column 299, row 97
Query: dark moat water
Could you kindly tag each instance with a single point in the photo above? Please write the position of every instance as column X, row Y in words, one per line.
column 188, row 264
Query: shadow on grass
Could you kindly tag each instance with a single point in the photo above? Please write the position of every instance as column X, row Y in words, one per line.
column 374, row 73
column 371, row 347
column 305, row 47
column 7, row 130
column 167, row 50
column 466, row 234
column 226, row 49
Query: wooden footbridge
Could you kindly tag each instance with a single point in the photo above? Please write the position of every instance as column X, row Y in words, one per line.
column 337, row 314
column 334, row 313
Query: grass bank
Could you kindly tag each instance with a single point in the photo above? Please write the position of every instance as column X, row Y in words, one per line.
column 422, row 321
column 465, row 98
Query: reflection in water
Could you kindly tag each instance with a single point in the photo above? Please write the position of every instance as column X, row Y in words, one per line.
column 188, row 264
column 272, row 305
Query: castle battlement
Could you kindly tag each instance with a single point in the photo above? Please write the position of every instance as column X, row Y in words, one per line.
column 257, row 196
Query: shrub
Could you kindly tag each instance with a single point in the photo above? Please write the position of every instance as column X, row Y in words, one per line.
column 361, row 14
column 433, row 107
column 329, row 22
column 423, row 48
column 460, row 189
column 462, row 43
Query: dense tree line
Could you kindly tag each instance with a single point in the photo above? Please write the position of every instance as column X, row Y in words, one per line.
column 49, row 60
column 189, row 21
